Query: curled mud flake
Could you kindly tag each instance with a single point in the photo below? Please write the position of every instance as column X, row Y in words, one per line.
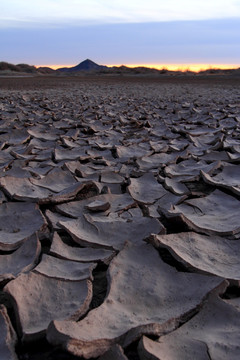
column 110, row 232
column 146, row 189
column 18, row 222
column 98, row 205
column 219, row 214
column 213, row 254
column 212, row 333
column 21, row 260
column 228, row 178
column 8, row 338
column 146, row 296
column 39, row 299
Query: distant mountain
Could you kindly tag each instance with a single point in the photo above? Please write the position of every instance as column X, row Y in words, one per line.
column 86, row 65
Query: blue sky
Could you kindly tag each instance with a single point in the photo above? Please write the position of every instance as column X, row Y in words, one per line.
column 120, row 32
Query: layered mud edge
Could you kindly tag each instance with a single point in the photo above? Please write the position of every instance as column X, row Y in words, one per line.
column 37, row 350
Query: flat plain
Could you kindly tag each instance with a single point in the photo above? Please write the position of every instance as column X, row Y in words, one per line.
column 119, row 217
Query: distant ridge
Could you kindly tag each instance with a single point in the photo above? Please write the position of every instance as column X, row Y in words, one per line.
column 4, row 66
column 24, row 68
column 89, row 66
column 86, row 65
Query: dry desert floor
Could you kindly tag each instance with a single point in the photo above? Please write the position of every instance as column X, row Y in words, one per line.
column 120, row 218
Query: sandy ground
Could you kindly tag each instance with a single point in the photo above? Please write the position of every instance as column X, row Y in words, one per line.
column 43, row 82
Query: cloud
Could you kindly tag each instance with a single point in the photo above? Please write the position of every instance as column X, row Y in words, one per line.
column 28, row 13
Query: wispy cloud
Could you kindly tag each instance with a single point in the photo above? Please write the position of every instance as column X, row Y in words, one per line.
column 19, row 13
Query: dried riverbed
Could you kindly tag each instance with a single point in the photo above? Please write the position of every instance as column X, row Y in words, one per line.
column 119, row 218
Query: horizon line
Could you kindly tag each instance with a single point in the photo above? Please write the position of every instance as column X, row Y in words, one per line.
column 196, row 67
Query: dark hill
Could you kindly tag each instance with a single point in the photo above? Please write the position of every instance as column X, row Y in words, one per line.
column 45, row 70
column 25, row 68
column 86, row 65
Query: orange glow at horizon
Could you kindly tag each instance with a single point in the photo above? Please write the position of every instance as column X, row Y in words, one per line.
column 171, row 67
column 55, row 66
column 184, row 67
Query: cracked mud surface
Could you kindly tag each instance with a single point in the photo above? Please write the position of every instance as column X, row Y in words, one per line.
column 119, row 218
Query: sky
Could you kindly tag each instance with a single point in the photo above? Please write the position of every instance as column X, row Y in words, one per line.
column 113, row 32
